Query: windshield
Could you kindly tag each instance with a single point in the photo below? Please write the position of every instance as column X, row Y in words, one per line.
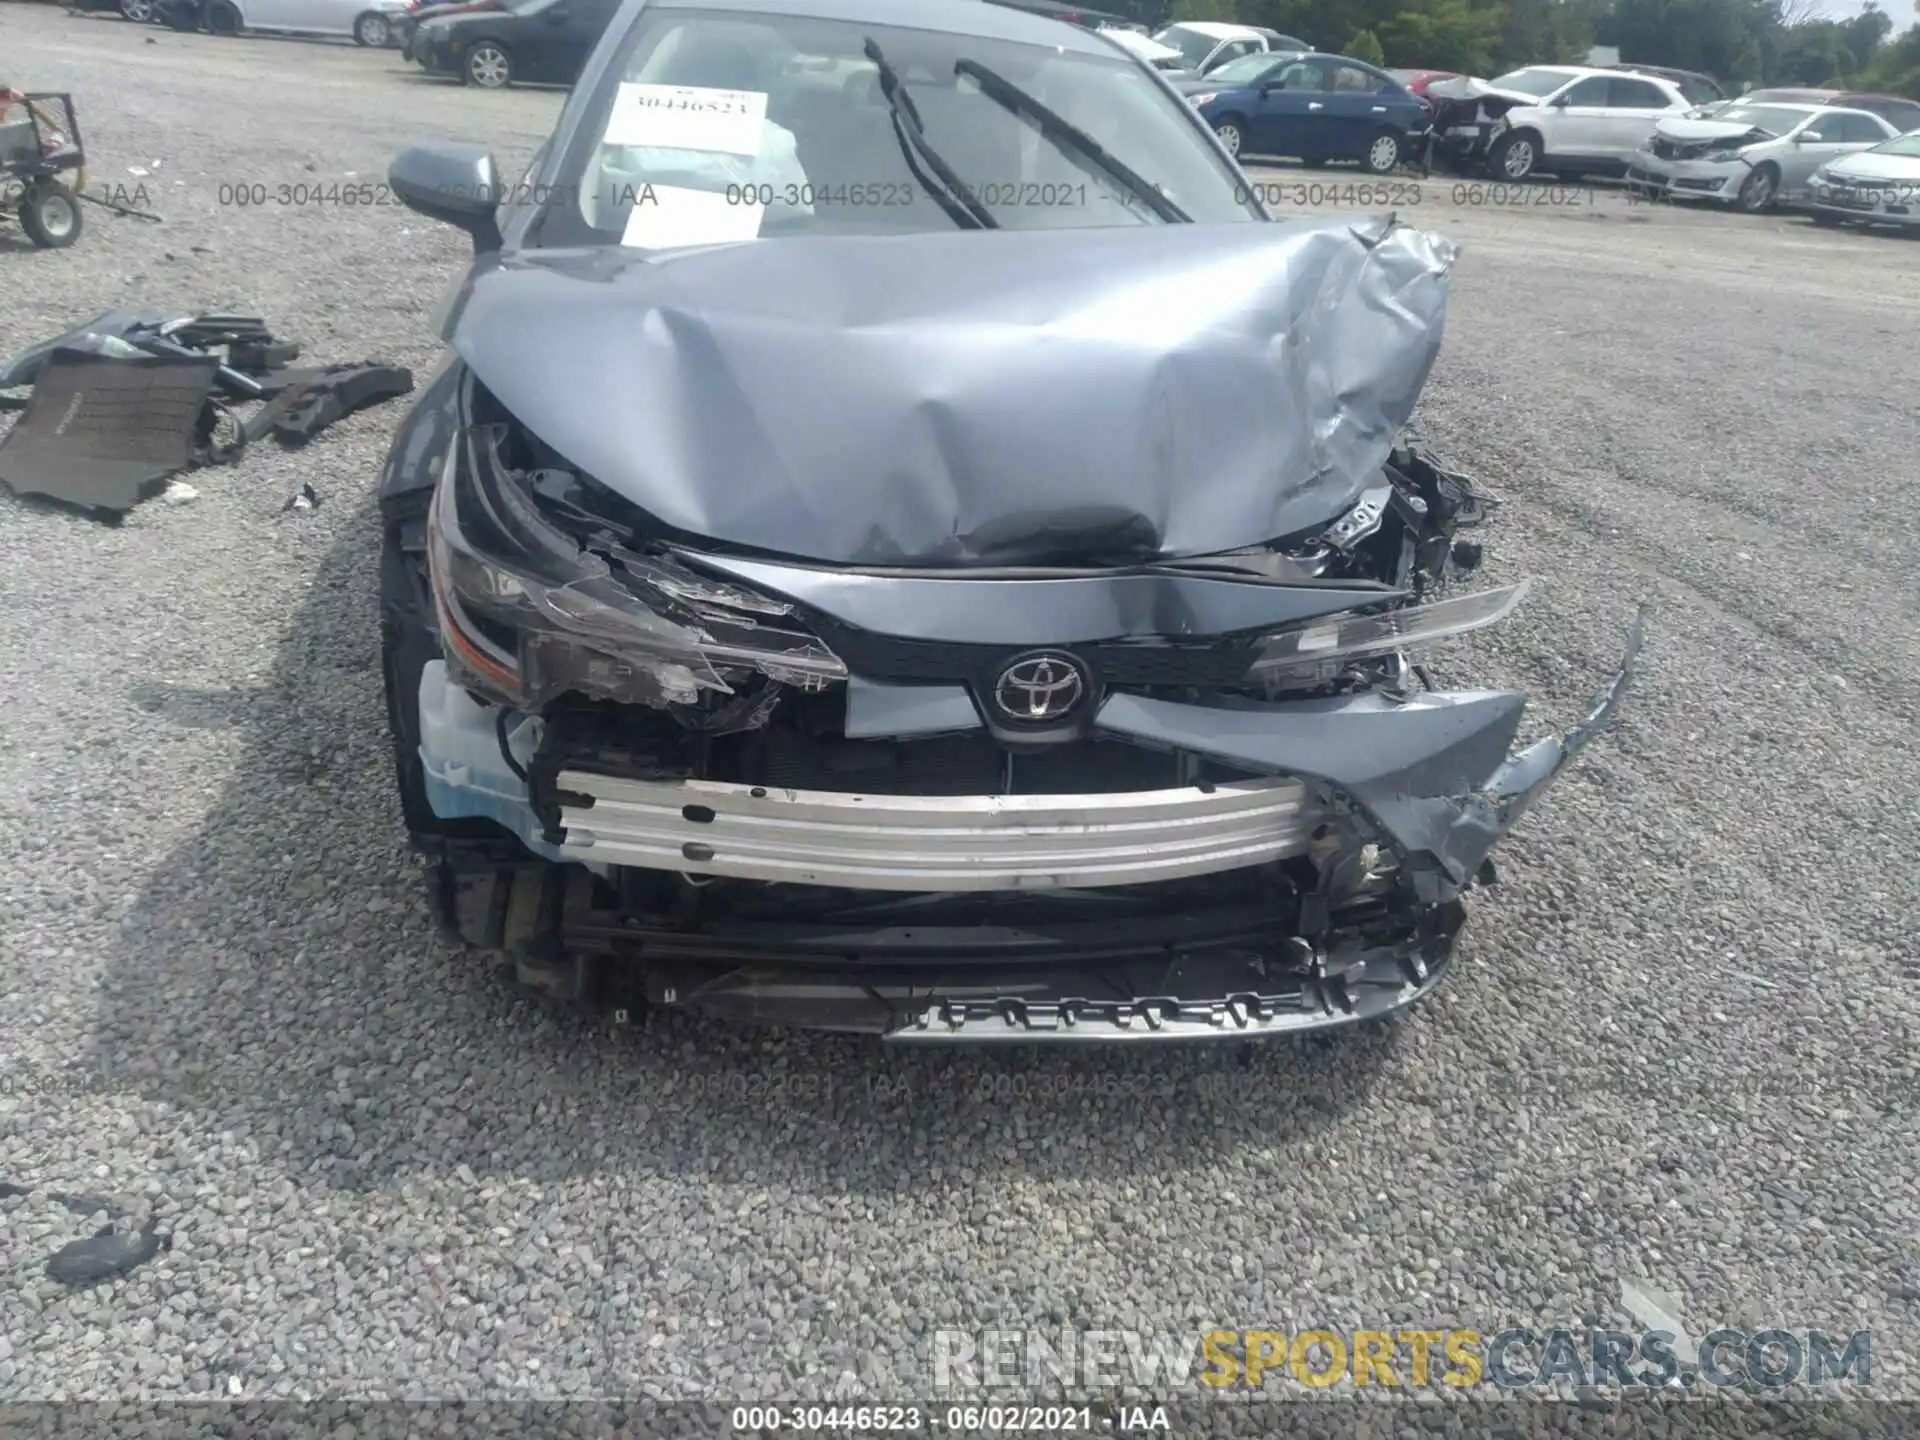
column 1899, row 145
column 1532, row 82
column 1774, row 119
column 1192, row 45
column 1244, row 71
column 718, row 126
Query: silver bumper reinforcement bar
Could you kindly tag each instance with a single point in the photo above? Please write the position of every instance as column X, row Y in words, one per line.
column 917, row 842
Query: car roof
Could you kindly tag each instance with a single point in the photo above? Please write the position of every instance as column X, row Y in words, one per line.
column 1214, row 29
column 957, row 17
column 1664, row 71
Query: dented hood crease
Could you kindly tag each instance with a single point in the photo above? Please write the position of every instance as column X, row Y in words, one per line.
column 973, row 398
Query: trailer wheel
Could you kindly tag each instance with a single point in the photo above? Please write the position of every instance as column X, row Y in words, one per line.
column 50, row 214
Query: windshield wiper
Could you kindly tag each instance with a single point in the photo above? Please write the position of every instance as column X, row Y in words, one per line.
column 945, row 186
column 1071, row 138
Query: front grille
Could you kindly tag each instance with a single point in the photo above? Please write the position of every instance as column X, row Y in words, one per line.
column 1685, row 150
column 960, row 765
column 1210, row 665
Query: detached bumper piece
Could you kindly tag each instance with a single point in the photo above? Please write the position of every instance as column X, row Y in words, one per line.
column 1228, row 999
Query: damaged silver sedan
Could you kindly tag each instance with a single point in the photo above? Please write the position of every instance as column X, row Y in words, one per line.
column 904, row 544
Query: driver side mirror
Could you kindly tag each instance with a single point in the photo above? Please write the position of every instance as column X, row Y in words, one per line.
column 451, row 182
column 1560, row 102
column 1807, row 137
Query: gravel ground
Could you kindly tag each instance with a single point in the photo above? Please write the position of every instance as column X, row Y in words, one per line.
column 1680, row 1048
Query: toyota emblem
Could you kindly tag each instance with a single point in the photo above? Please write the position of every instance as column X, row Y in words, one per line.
column 1040, row 687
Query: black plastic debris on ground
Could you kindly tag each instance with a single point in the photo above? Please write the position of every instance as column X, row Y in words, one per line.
column 318, row 398
column 107, row 1254
column 131, row 397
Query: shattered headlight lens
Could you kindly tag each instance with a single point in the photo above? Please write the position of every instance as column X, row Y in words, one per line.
column 1327, row 646
column 528, row 612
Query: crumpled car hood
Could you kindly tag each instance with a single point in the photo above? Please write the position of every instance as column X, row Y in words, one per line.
column 973, row 398
column 1708, row 130
column 1471, row 87
column 1867, row 165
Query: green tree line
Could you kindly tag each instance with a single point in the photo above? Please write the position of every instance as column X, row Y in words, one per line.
column 1739, row 42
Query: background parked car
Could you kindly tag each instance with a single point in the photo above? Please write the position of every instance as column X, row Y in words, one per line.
column 541, row 41
column 1582, row 120
column 1417, row 81
column 1750, row 155
column 1138, row 43
column 1700, row 89
column 421, row 11
column 1072, row 14
column 367, row 22
column 138, row 11
column 1901, row 113
column 1249, row 72
column 1880, row 186
column 1317, row 108
column 1206, row 45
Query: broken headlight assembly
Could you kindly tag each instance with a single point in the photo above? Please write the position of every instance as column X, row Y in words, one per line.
column 1315, row 653
column 528, row 611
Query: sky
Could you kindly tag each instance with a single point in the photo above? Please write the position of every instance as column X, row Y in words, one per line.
column 1898, row 11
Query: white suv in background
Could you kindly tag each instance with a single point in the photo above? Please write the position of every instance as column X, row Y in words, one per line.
column 1206, row 45
column 1578, row 121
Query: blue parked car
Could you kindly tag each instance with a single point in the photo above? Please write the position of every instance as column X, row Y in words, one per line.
column 1312, row 107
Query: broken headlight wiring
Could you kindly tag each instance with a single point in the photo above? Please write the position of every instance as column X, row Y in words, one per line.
column 529, row 611
column 1400, row 533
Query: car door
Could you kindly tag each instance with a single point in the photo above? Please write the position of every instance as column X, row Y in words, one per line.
column 1228, row 50
column 321, row 17
column 272, row 14
column 1827, row 135
column 563, row 35
column 1278, row 124
column 1356, row 103
column 1577, row 119
column 1634, row 106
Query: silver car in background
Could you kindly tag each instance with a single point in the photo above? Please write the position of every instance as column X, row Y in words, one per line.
column 1880, row 186
column 1750, row 155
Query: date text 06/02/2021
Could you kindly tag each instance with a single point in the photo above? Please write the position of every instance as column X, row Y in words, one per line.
column 959, row 1419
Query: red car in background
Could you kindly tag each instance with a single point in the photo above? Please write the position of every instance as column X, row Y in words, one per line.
column 1418, row 80
column 405, row 27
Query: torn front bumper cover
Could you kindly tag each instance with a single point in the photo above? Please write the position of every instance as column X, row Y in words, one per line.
column 1430, row 779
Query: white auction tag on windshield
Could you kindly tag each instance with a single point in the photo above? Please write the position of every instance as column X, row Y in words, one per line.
column 687, row 117
column 665, row 216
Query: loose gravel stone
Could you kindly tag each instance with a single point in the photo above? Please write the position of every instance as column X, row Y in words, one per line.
column 1679, row 1050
